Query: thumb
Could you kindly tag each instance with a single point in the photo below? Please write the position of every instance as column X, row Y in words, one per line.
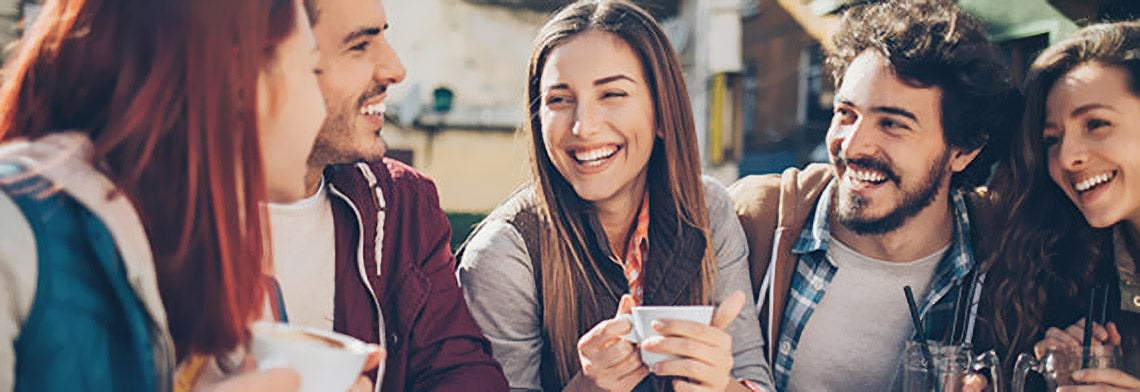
column 374, row 359
column 1113, row 334
column 728, row 309
column 626, row 305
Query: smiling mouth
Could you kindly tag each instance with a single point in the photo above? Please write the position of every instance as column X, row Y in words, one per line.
column 867, row 176
column 594, row 156
column 1094, row 182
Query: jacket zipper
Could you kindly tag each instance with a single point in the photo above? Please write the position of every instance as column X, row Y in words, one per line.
column 361, row 272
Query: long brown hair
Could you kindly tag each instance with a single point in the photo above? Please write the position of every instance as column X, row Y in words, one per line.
column 570, row 301
column 1048, row 244
column 166, row 91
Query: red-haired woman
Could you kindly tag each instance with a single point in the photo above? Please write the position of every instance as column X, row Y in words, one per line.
column 141, row 141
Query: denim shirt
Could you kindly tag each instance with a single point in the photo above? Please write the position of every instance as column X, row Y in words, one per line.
column 814, row 272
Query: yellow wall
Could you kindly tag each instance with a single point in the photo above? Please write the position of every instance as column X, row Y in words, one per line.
column 474, row 170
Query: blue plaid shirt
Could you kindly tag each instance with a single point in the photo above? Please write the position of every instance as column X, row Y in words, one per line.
column 814, row 273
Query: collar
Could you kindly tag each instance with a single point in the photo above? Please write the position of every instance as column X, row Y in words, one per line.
column 816, row 234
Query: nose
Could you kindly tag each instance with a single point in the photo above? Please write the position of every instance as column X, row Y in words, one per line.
column 851, row 140
column 585, row 121
column 1074, row 152
column 388, row 68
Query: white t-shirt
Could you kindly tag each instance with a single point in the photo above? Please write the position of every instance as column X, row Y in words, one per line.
column 304, row 258
column 855, row 337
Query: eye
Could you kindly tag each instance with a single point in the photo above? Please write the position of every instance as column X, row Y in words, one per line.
column 1050, row 140
column 613, row 94
column 360, row 47
column 1096, row 123
column 557, row 100
column 843, row 115
column 892, row 124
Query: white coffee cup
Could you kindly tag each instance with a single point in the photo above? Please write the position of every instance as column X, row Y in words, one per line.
column 643, row 317
column 325, row 360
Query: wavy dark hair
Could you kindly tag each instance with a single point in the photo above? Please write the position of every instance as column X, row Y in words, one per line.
column 1047, row 245
column 932, row 43
column 570, row 306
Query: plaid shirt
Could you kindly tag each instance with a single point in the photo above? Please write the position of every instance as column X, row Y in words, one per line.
column 814, row 273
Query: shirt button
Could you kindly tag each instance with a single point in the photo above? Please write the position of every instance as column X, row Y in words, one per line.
column 785, row 347
column 1136, row 300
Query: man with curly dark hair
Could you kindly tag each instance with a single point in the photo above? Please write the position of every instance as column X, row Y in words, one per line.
column 923, row 100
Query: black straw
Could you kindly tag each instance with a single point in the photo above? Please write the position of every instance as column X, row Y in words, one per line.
column 921, row 332
column 1103, row 319
column 1088, row 329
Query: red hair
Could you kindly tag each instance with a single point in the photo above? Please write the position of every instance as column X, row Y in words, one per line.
column 166, row 91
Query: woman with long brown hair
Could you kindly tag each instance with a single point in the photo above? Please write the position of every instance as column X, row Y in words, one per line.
column 1073, row 207
column 616, row 215
column 141, row 142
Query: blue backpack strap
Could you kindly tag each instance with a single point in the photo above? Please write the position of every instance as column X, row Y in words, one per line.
column 85, row 318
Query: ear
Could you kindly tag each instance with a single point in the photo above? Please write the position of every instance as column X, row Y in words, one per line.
column 960, row 159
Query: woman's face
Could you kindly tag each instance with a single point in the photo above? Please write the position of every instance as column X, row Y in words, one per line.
column 290, row 111
column 598, row 120
column 1092, row 135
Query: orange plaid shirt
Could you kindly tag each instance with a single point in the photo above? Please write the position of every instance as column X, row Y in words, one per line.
column 636, row 251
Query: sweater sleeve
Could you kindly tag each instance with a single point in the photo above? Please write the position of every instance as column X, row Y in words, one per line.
column 497, row 278
column 731, row 249
column 18, row 277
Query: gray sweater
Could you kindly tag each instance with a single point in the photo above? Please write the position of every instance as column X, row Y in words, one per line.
column 498, row 281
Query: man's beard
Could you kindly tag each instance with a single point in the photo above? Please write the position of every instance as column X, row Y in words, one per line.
column 848, row 207
column 335, row 143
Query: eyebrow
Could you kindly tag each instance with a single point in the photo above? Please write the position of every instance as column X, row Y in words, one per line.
column 370, row 31
column 611, row 79
column 599, row 82
column 1088, row 108
column 893, row 110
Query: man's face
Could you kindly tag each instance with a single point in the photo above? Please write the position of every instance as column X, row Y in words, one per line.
column 358, row 67
column 887, row 148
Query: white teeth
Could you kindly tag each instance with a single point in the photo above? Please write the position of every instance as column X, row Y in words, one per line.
column 595, row 154
column 1093, row 181
column 866, row 176
column 374, row 109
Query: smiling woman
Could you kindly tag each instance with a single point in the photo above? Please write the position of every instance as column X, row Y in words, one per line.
column 616, row 214
column 1075, row 157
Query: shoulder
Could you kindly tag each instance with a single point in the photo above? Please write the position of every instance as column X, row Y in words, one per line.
column 757, row 194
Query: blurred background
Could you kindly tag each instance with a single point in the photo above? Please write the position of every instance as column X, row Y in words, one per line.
column 754, row 70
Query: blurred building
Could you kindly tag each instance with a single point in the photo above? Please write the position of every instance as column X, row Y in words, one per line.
column 457, row 115
column 787, row 95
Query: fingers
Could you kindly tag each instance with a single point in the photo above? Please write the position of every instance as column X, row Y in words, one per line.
column 1077, row 331
column 362, row 384
column 695, row 371
column 689, row 348
column 1107, row 377
column 687, row 329
column 1055, row 339
column 728, row 309
column 625, row 306
column 974, row 383
column 602, row 336
column 1113, row 334
column 378, row 356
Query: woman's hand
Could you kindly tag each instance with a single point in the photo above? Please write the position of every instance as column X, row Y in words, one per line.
column 364, row 384
column 610, row 362
column 705, row 351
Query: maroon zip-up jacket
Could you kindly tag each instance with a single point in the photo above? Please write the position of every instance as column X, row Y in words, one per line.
column 393, row 254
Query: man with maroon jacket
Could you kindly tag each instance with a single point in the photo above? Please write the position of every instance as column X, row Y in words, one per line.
column 367, row 254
